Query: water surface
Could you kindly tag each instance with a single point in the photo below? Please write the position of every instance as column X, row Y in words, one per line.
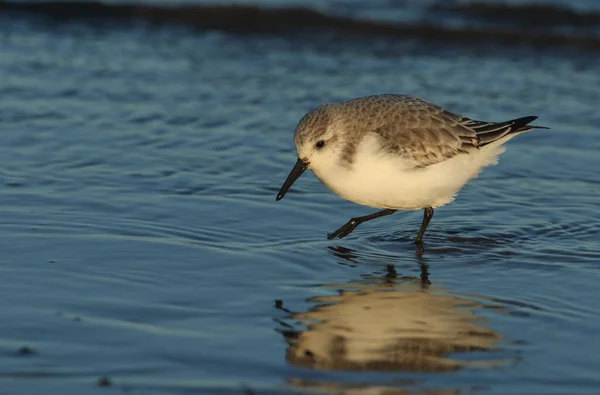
column 141, row 241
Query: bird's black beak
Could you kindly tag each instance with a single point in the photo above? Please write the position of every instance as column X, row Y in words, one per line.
column 296, row 172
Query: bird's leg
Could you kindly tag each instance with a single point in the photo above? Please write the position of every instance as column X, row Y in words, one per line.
column 354, row 222
column 427, row 214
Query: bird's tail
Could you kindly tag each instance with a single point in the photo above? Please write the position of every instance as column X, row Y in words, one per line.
column 489, row 132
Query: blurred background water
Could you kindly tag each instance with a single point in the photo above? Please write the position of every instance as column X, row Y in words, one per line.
column 143, row 250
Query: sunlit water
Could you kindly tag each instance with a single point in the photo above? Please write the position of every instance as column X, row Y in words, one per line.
column 141, row 240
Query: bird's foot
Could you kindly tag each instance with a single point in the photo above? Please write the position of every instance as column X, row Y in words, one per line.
column 344, row 230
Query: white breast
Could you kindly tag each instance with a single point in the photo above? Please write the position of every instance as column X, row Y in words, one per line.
column 388, row 181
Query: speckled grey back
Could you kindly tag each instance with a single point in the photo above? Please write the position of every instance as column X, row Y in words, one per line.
column 411, row 127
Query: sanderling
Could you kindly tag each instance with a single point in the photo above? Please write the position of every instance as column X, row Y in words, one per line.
column 396, row 152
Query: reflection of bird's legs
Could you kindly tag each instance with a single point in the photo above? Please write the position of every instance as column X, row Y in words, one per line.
column 390, row 271
column 424, row 270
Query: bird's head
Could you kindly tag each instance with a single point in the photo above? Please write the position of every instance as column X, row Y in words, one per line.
column 316, row 143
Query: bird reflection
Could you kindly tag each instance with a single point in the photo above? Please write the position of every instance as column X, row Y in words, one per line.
column 388, row 322
column 339, row 388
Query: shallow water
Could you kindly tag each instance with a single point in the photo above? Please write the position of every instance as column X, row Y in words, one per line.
column 141, row 240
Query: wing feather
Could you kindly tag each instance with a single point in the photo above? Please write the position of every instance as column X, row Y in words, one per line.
column 424, row 133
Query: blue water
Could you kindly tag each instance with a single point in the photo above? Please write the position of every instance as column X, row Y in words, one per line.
column 141, row 241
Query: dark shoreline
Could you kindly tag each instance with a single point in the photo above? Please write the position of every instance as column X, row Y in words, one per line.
column 241, row 19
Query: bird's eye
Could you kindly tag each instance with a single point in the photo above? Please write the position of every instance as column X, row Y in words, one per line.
column 320, row 144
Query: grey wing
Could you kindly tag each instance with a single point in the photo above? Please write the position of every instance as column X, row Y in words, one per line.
column 425, row 133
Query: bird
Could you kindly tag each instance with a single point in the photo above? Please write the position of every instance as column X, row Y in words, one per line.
column 396, row 152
